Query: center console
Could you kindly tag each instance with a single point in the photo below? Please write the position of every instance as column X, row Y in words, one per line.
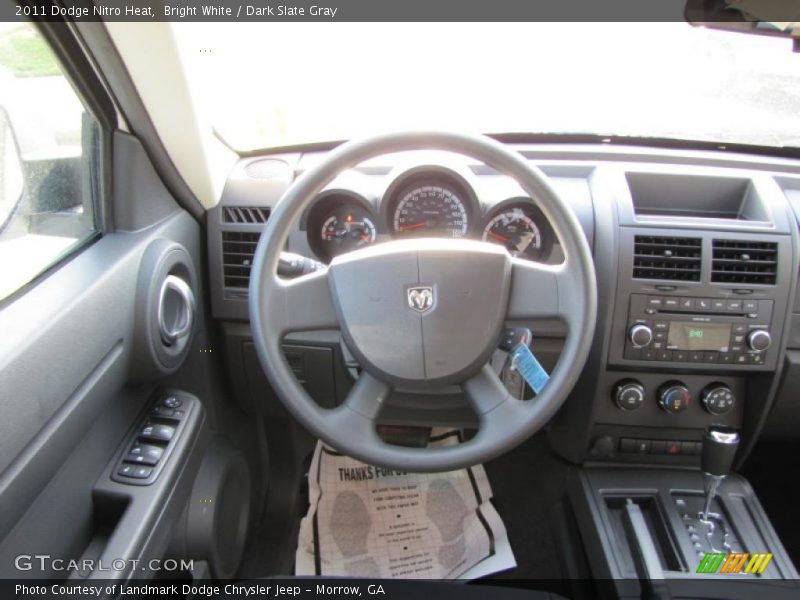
column 695, row 304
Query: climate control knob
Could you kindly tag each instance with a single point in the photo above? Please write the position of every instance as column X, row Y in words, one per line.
column 717, row 398
column 674, row 397
column 640, row 336
column 629, row 394
column 759, row 340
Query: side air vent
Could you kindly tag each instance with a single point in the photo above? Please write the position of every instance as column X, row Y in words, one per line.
column 237, row 257
column 245, row 214
column 671, row 258
column 735, row 261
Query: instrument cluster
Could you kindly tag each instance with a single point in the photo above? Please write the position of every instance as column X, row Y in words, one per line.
column 426, row 202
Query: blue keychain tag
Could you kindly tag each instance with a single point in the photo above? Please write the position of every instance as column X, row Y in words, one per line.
column 523, row 360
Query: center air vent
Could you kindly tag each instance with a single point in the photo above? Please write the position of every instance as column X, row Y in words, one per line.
column 736, row 261
column 245, row 214
column 238, row 248
column 672, row 258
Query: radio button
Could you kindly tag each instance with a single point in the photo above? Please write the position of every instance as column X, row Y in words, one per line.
column 759, row 340
column 655, row 301
column 640, row 335
column 719, row 305
column 632, row 353
column 671, row 303
column 703, row 303
column 740, row 328
column 734, row 306
column 661, row 325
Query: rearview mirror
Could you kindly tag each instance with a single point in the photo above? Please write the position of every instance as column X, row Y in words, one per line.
column 11, row 174
column 761, row 17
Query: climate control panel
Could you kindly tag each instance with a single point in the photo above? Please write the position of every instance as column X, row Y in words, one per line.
column 674, row 397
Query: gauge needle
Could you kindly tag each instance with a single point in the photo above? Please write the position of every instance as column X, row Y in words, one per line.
column 414, row 226
column 497, row 236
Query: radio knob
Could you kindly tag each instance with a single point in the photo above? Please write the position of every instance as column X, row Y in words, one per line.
column 640, row 336
column 759, row 340
column 717, row 398
column 674, row 397
column 629, row 394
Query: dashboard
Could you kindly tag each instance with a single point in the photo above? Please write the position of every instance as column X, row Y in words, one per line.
column 696, row 252
column 425, row 201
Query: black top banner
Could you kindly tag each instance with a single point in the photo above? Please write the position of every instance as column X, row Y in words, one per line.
column 399, row 10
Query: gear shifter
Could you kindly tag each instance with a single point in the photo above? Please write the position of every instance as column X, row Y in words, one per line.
column 719, row 449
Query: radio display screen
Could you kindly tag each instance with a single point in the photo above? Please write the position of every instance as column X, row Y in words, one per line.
column 698, row 336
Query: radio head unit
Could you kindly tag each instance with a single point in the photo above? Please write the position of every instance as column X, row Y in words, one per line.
column 698, row 330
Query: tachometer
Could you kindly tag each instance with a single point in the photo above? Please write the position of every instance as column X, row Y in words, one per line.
column 430, row 211
column 516, row 230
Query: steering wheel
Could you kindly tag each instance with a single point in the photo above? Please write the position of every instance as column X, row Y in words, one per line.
column 423, row 312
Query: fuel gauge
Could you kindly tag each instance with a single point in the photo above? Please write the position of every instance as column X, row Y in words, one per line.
column 347, row 228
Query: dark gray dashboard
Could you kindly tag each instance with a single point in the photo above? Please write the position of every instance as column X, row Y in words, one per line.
column 698, row 247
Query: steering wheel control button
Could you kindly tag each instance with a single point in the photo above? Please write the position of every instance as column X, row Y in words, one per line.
column 717, row 399
column 144, row 454
column 513, row 336
column 156, row 432
column 171, row 402
column 629, row 394
column 135, row 471
column 674, row 397
column 640, row 335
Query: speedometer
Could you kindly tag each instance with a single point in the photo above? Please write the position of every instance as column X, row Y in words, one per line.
column 430, row 211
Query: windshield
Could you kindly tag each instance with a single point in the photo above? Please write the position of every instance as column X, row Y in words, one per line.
column 275, row 84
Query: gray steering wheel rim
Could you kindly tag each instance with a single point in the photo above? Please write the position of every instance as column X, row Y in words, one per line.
column 352, row 432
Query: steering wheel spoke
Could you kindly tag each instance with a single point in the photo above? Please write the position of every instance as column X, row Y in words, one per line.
column 540, row 291
column 301, row 304
column 485, row 391
column 367, row 396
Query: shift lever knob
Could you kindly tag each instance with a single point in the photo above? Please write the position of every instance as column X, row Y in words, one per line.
column 719, row 449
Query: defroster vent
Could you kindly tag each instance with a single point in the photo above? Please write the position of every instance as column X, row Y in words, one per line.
column 245, row 214
column 669, row 258
column 736, row 261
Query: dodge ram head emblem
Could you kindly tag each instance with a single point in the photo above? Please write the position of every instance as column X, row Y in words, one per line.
column 420, row 298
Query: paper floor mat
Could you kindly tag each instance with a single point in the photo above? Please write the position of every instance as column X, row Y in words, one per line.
column 366, row 521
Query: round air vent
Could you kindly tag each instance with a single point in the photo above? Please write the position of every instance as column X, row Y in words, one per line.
column 166, row 310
